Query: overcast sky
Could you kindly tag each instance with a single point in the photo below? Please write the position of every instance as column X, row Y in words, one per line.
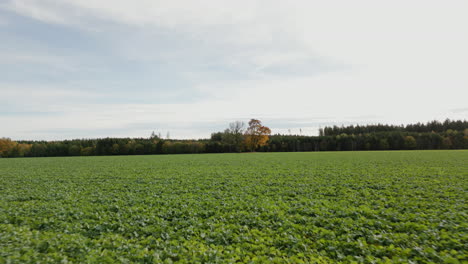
column 99, row 68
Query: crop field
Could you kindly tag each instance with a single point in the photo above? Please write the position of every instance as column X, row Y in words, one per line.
column 327, row 207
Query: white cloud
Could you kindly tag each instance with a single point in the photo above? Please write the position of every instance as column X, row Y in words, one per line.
column 35, row 10
column 37, row 59
column 38, row 92
column 199, row 119
column 401, row 61
column 145, row 12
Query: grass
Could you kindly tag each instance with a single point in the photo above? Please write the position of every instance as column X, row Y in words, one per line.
column 325, row 207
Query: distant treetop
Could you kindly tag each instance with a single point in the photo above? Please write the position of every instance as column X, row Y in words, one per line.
column 432, row 126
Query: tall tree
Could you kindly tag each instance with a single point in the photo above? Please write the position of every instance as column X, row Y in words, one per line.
column 256, row 135
column 233, row 136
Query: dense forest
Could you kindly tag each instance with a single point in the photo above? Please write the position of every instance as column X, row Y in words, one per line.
column 256, row 137
column 433, row 126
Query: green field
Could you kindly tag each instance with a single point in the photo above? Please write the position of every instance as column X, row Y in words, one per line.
column 326, row 207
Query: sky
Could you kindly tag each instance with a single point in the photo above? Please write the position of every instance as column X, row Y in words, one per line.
column 118, row 68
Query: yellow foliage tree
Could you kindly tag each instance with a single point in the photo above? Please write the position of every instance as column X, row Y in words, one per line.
column 256, row 135
column 6, row 146
column 23, row 149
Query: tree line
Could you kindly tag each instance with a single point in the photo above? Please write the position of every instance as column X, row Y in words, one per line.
column 429, row 127
column 254, row 136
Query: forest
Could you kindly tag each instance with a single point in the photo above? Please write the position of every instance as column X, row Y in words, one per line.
column 450, row 134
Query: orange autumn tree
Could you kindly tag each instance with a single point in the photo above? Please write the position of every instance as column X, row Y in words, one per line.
column 256, row 135
column 9, row 148
column 6, row 146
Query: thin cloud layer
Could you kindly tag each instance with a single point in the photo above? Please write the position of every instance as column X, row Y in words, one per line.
column 100, row 67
